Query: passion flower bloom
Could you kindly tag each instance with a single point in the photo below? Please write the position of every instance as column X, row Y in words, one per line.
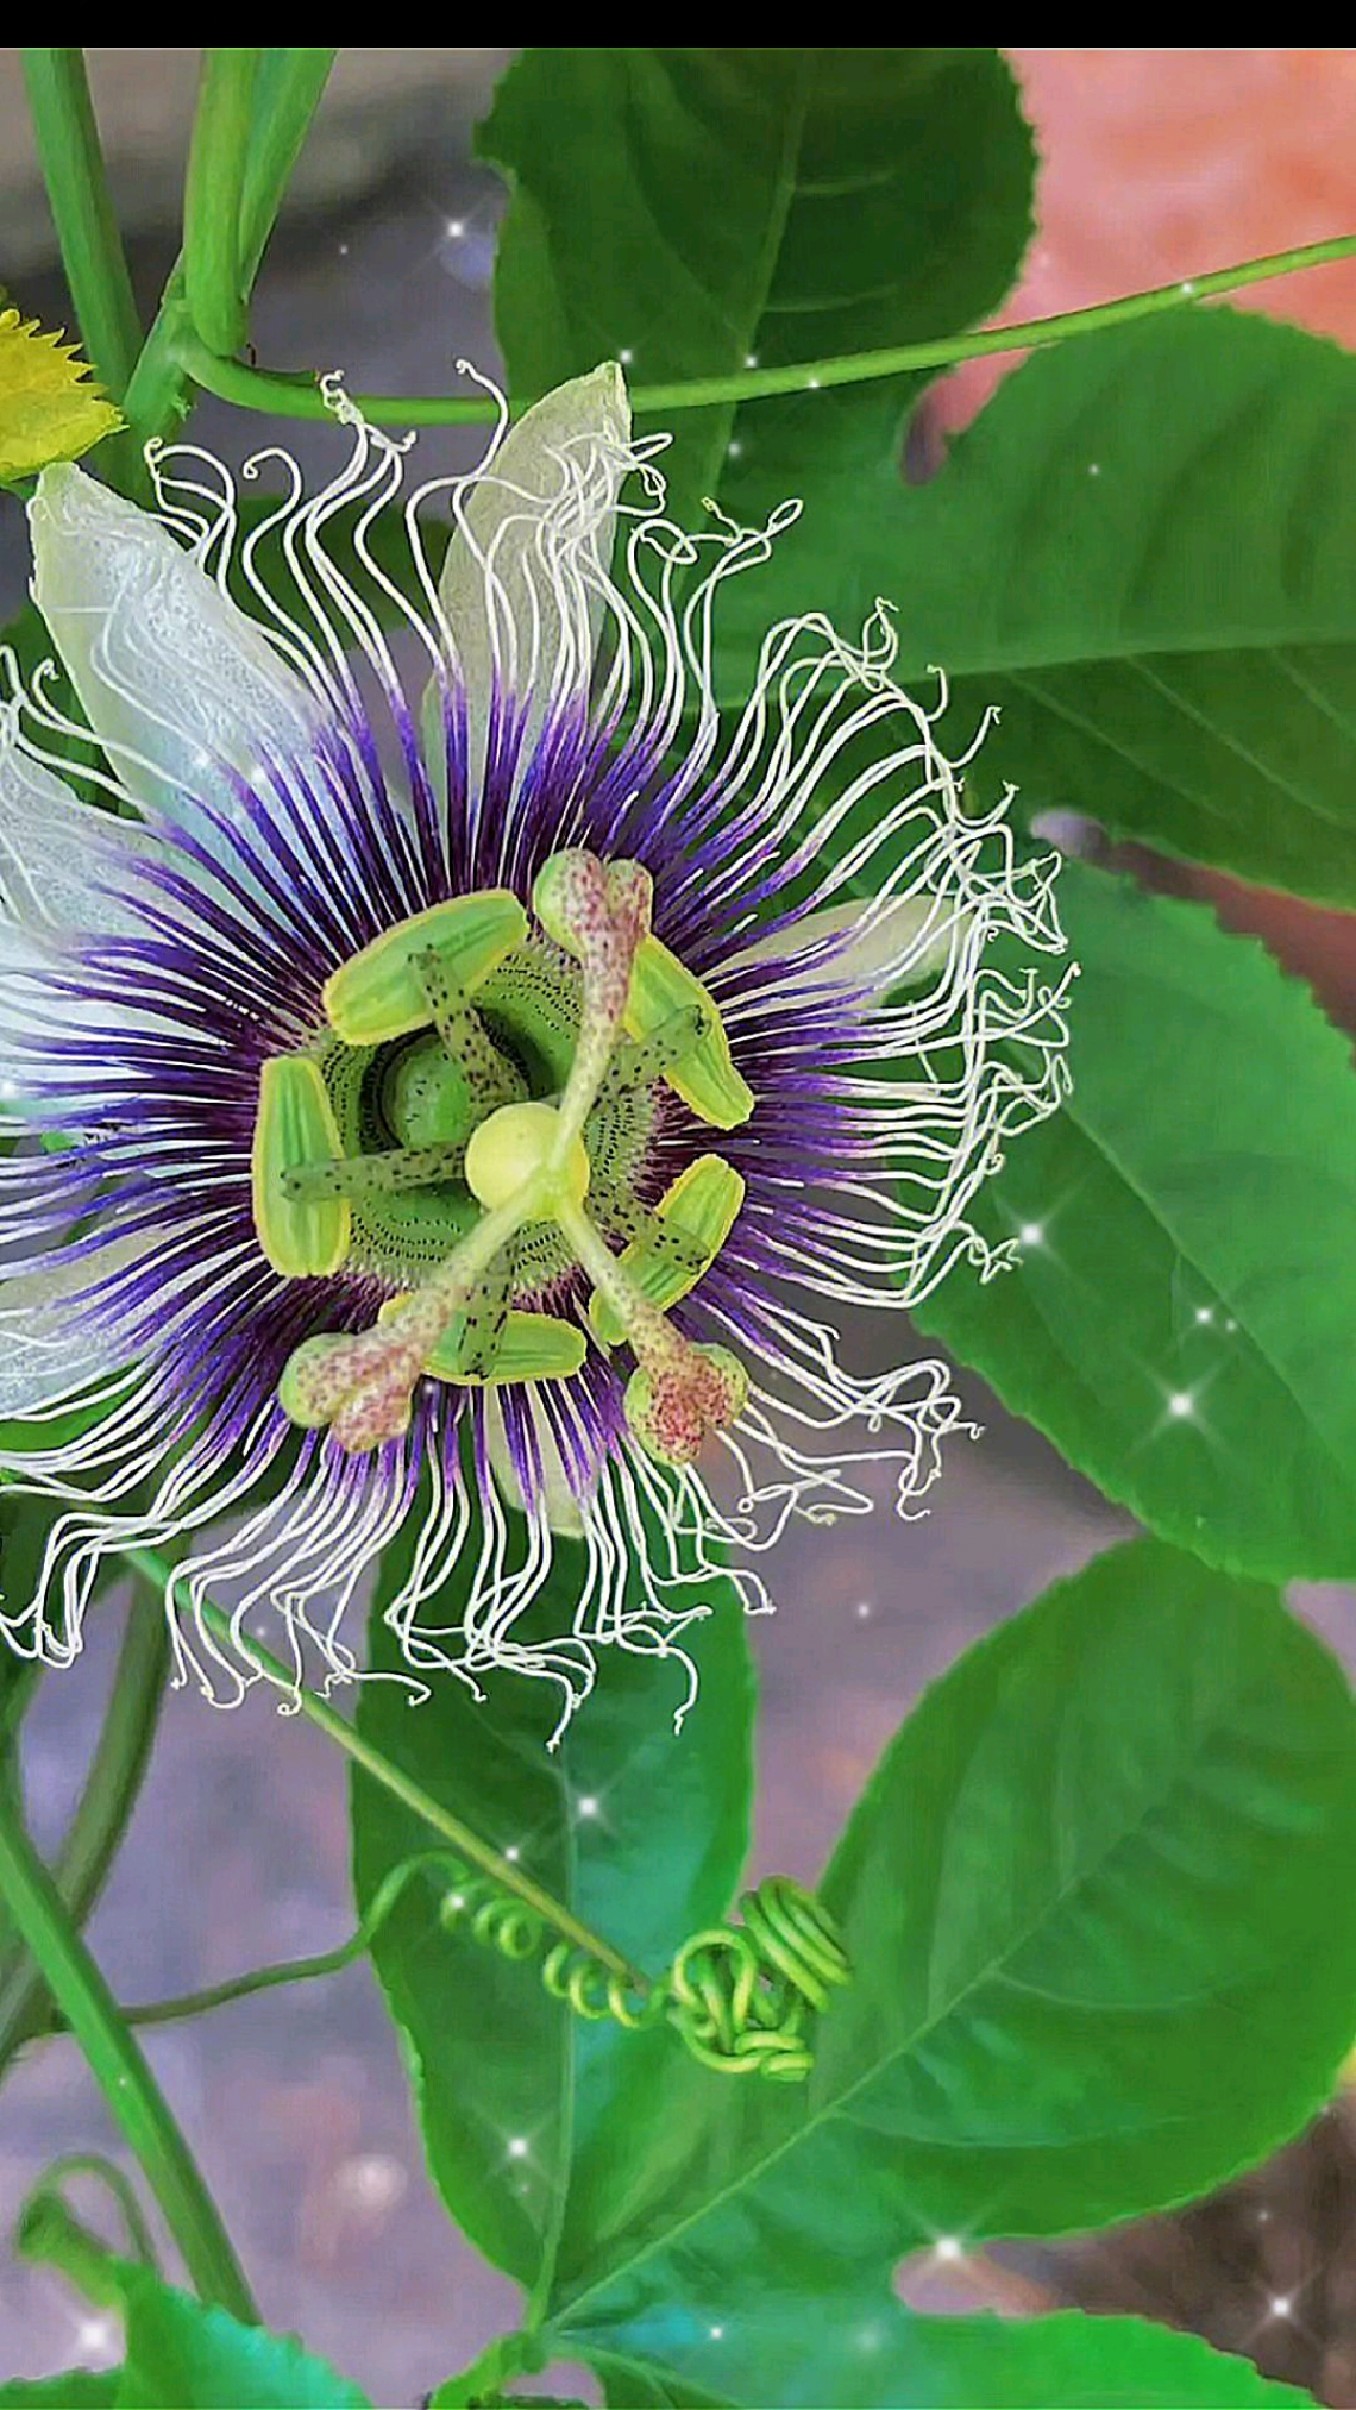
column 471, row 1086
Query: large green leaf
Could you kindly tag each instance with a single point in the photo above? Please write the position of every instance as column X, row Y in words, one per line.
column 1075, row 1895
column 1145, row 551
column 1183, row 1320
column 184, row 2356
column 685, row 209
column 76, row 2389
column 641, row 1831
column 888, row 2358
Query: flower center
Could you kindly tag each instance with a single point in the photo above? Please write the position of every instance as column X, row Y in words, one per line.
column 477, row 1083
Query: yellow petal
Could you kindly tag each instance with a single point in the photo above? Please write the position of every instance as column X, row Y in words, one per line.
column 49, row 410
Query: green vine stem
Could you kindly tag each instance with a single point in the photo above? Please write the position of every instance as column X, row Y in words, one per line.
column 287, row 96
column 738, row 1994
column 289, row 85
column 110, row 1794
column 287, row 1970
column 82, row 209
column 213, row 280
column 300, row 396
column 133, row 2096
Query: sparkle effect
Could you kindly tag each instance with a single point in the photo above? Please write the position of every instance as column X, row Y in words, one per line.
column 296, row 1029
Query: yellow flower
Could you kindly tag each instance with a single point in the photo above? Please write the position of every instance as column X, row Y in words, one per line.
column 48, row 408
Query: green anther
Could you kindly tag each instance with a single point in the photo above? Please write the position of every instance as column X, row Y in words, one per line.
column 532, row 1347
column 639, row 1062
column 706, row 1078
column 677, row 1243
column 489, row 1080
column 295, row 1126
column 379, row 994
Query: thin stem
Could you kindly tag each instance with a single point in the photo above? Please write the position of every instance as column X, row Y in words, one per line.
column 159, row 397
column 507, row 2357
column 300, row 396
column 50, row 2233
column 431, row 1812
column 110, row 1794
column 213, row 280
column 289, row 89
column 82, row 209
column 289, row 1970
column 114, row 2182
column 115, row 2060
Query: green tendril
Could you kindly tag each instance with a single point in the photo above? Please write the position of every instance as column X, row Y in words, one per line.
column 290, row 396
column 740, row 1994
column 47, row 2201
column 737, row 1995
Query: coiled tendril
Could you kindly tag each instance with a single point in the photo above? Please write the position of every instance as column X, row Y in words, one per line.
column 738, row 1994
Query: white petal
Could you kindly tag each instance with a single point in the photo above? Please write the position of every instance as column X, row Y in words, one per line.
column 908, row 941
column 521, row 581
column 48, row 1349
column 175, row 681
column 63, row 865
column 564, row 1514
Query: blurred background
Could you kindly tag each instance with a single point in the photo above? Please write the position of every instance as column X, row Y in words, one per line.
column 1157, row 164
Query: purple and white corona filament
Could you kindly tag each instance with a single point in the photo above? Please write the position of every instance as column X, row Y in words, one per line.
column 482, row 1108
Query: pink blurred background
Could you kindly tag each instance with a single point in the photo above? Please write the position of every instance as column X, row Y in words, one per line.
column 1158, row 164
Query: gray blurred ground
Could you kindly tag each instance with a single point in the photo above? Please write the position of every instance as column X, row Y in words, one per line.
column 296, row 2101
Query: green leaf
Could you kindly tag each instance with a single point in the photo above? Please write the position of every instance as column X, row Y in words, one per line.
column 1183, row 1322
column 1074, row 1894
column 493, row 2057
column 1143, row 552
column 1065, row 2362
column 183, row 2356
column 684, row 209
column 78, row 2389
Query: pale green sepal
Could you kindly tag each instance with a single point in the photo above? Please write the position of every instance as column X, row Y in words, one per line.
column 178, row 685
column 295, row 1124
column 48, row 1349
column 699, row 1211
column 564, row 1514
column 906, row 942
column 378, row 995
column 706, row 1078
column 519, row 584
